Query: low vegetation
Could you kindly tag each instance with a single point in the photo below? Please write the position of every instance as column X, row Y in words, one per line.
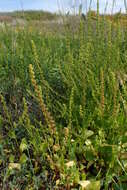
column 29, row 15
column 63, row 108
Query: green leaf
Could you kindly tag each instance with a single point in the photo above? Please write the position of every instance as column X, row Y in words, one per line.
column 23, row 145
column 23, row 159
column 11, row 134
column 108, row 151
column 43, row 147
column 88, row 133
column 11, row 158
column 89, row 155
column 1, row 121
column 95, row 185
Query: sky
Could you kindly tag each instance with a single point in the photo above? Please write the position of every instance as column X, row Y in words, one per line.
column 56, row 5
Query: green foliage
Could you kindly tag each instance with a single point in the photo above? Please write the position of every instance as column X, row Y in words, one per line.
column 63, row 108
